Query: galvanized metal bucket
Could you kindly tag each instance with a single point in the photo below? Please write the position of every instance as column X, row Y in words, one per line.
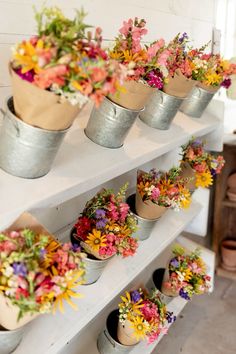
column 161, row 110
column 93, row 267
column 156, row 281
column 9, row 340
column 145, row 226
column 109, row 124
column 196, row 102
column 107, row 340
column 26, row 151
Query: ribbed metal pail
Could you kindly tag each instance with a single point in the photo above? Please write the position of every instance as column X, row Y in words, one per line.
column 145, row 226
column 161, row 110
column 93, row 267
column 26, row 151
column 196, row 102
column 107, row 341
column 109, row 124
column 9, row 340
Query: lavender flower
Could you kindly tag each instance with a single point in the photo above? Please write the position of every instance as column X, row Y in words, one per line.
column 184, row 294
column 183, row 37
column 100, row 214
column 174, row 263
column 226, row 83
column 101, row 223
column 42, row 253
column 135, row 296
column 19, row 269
column 197, row 142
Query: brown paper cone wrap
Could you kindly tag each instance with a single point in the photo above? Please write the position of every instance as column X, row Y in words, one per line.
column 9, row 314
column 148, row 210
column 179, row 85
column 125, row 334
column 41, row 108
column 88, row 249
column 212, row 89
column 164, row 288
column 188, row 172
column 135, row 97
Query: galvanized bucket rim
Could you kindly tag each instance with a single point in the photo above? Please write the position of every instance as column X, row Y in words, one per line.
column 12, row 116
column 168, row 95
column 140, row 217
column 204, row 90
column 125, row 109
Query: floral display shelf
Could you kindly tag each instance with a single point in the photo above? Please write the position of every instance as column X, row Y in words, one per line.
column 58, row 330
column 82, row 165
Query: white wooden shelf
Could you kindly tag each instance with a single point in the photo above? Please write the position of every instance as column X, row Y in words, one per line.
column 54, row 332
column 82, row 165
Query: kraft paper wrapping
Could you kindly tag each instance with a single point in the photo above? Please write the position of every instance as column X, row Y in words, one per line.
column 212, row 89
column 164, row 288
column 125, row 334
column 135, row 97
column 88, row 249
column 41, row 108
column 148, row 209
column 8, row 311
column 179, row 85
column 188, row 172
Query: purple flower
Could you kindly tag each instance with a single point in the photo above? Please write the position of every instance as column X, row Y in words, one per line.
column 184, row 294
column 100, row 224
column 196, row 142
column 226, row 83
column 170, row 317
column 183, row 37
column 42, row 253
column 174, row 263
column 19, row 269
column 29, row 76
column 75, row 248
column 135, row 296
column 155, row 79
column 213, row 172
column 100, row 214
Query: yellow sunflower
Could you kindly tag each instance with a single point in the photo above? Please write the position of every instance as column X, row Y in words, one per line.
column 212, row 78
column 139, row 326
column 50, row 250
column 26, row 56
column 134, row 307
column 96, row 240
column 204, row 179
column 186, row 198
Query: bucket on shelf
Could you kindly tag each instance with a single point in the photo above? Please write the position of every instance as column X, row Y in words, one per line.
column 156, row 282
column 147, row 209
column 196, row 102
column 145, row 226
column 109, row 124
column 93, row 267
column 9, row 340
column 161, row 110
column 26, row 151
column 108, row 342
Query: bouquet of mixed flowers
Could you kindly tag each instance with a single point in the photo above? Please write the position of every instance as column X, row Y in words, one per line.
column 106, row 226
column 157, row 191
column 186, row 274
column 142, row 316
column 146, row 65
column 57, row 71
column 36, row 274
column 204, row 165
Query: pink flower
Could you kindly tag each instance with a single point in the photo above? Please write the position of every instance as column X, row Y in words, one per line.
column 150, row 311
column 98, row 74
column 200, row 167
column 153, row 49
column 162, row 59
column 126, row 27
column 155, row 193
column 124, row 209
column 190, row 154
column 53, row 75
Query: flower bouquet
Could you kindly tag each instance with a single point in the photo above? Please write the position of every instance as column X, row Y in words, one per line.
column 142, row 316
column 158, row 191
column 185, row 274
column 105, row 228
column 57, row 71
column 36, row 273
column 145, row 65
column 199, row 165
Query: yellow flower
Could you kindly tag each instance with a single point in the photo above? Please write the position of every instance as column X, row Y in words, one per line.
column 116, row 55
column 70, row 282
column 213, row 78
column 140, row 327
column 188, row 274
column 96, row 240
column 204, row 179
column 50, row 250
column 26, row 56
column 165, row 185
column 136, row 57
column 142, row 188
column 133, row 307
column 186, row 198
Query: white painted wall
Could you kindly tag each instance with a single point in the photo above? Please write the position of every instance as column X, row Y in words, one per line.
column 165, row 18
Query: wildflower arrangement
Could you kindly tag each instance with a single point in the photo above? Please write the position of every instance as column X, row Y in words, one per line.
column 177, row 48
column 144, row 314
column 145, row 64
column 37, row 273
column 166, row 189
column 205, row 165
column 106, row 225
column 187, row 273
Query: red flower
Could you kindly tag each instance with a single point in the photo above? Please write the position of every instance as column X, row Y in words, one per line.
column 83, row 226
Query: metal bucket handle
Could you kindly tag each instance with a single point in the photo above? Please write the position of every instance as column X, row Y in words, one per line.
column 15, row 125
column 106, row 335
column 198, row 93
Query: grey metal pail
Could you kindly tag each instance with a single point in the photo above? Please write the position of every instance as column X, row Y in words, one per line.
column 9, row 340
column 109, row 124
column 155, row 282
column 26, row 151
column 107, row 340
column 145, row 226
column 196, row 102
column 94, row 269
column 161, row 110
